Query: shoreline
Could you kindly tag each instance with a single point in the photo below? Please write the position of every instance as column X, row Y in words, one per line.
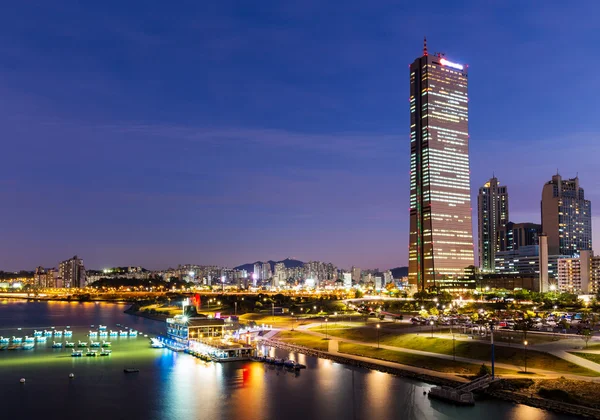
column 134, row 310
column 501, row 394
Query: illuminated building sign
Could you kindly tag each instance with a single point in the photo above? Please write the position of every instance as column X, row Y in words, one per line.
column 456, row 66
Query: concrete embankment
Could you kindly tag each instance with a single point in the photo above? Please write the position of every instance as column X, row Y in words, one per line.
column 496, row 392
column 550, row 405
column 362, row 364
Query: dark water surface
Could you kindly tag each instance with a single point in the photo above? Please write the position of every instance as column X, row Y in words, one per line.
column 178, row 386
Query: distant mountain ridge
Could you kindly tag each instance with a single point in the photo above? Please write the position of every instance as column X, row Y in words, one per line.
column 288, row 262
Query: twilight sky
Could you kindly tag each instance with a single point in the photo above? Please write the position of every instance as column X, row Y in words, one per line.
column 156, row 133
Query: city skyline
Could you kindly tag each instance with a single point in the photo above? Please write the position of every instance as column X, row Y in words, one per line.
column 191, row 160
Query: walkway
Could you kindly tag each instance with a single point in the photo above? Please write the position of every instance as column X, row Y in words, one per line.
column 547, row 373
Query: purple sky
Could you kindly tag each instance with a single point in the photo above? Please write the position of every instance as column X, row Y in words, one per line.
column 153, row 134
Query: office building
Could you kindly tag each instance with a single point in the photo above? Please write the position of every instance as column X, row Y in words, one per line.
column 72, row 272
column 514, row 235
column 441, row 237
column 566, row 217
column 492, row 212
column 526, row 260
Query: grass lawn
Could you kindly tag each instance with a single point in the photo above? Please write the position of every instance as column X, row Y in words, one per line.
column 166, row 310
column 431, row 363
column 593, row 357
column 303, row 339
column 470, row 349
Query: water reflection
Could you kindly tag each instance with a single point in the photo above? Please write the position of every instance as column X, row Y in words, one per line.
column 178, row 386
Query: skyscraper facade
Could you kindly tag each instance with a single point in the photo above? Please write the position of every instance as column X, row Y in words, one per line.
column 566, row 217
column 441, row 236
column 515, row 235
column 492, row 212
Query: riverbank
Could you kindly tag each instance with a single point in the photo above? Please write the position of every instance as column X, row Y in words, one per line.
column 504, row 390
column 135, row 310
column 435, row 378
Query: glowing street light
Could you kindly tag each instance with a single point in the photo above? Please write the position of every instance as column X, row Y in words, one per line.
column 525, row 344
column 378, row 326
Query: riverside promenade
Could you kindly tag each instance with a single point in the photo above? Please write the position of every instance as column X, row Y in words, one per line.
column 557, row 351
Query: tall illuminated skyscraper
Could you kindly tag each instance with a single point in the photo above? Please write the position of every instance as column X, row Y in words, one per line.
column 492, row 217
column 441, row 233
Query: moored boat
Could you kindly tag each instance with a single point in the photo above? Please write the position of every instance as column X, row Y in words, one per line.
column 103, row 333
column 94, row 344
column 82, row 343
column 105, row 352
column 113, row 333
column 48, row 333
column 37, row 333
column 106, row 344
column 41, row 339
column 77, row 353
column 58, row 333
column 290, row 364
column 69, row 344
column 91, row 353
column 122, row 333
column 93, row 333
column 68, row 333
column 17, row 339
column 4, row 340
column 28, row 346
column 29, row 339
column 56, row 345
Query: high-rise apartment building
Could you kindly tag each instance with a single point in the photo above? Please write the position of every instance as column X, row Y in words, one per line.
column 579, row 274
column 266, row 271
column 566, row 217
column 72, row 272
column 257, row 273
column 492, row 212
column 356, row 275
column 441, row 235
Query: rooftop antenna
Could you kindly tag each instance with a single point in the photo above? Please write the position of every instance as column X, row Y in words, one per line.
column 425, row 46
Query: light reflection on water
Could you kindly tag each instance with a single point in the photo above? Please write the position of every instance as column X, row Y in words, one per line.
column 178, row 386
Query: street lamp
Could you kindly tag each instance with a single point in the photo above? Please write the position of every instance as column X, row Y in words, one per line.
column 292, row 321
column 493, row 355
column 525, row 344
column 431, row 323
column 326, row 335
column 378, row 326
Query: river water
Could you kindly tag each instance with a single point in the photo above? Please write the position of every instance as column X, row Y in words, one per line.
column 178, row 386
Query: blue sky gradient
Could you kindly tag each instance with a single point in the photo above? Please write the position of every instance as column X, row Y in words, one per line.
column 154, row 133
